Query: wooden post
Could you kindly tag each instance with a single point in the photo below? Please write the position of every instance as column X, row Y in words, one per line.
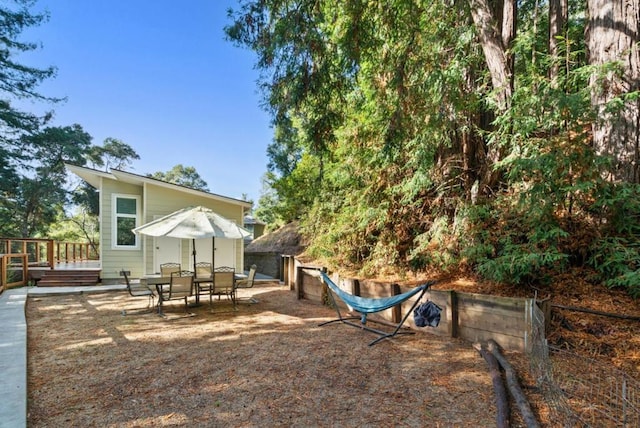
column 50, row 254
column 453, row 307
column 3, row 272
column 292, row 273
column 545, row 306
column 396, row 311
column 281, row 269
column 285, row 270
column 299, row 282
column 528, row 325
column 25, row 268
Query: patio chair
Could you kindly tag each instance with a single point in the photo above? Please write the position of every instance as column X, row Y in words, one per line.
column 247, row 283
column 138, row 289
column 166, row 269
column 180, row 287
column 203, row 271
column 224, row 279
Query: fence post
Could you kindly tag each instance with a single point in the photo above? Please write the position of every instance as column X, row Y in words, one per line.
column 284, row 274
column 3, row 272
column 452, row 302
column 292, row 273
column 299, row 282
column 25, row 268
column 50, row 253
column 396, row 311
column 528, row 325
column 545, row 306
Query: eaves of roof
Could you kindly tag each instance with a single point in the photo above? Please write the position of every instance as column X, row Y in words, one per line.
column 94, row 176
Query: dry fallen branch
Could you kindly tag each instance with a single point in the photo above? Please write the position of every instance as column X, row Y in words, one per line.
column 502, row 401
column 514, row 387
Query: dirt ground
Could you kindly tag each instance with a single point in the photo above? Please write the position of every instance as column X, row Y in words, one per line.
column 266, row 364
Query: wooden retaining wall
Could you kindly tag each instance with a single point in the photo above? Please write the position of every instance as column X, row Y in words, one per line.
column 473, row 317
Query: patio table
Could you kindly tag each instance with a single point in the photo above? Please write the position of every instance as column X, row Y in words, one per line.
column 158, row 281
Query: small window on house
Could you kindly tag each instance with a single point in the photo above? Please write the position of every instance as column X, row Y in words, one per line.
column 125, row 219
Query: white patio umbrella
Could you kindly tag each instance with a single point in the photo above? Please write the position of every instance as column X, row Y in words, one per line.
column 194, row 223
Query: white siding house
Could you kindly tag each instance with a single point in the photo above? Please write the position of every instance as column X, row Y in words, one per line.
column 129, row 200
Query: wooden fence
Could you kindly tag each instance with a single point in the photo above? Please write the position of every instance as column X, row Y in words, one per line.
column 473, row 317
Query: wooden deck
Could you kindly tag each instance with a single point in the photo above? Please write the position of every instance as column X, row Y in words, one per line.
column 89, row 264
column 67, row 274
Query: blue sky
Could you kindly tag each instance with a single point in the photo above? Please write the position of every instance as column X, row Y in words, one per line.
column 158, row 75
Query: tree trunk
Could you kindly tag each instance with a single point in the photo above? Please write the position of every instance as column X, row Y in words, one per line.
column 488, row 28
column 558, row 16
column 496, row 28
column 612, row 36
column 509, row 24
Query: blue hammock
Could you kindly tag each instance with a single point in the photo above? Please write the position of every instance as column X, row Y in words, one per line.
column 366, row 306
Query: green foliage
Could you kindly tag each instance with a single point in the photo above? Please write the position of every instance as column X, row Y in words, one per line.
column 437, row 247
column 390, row 150
column 186, row 176
column 268, row 202
column 113, row 153
column 513, row 245
column 618, row 205
column 522, row 263
column 37, row 196
column 79, row 227
column 617, row 260
column 616, row 254
column 17, row 81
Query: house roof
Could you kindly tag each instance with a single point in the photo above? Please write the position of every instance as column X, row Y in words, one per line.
column 249, row 219
column 285, row 240
column 93, row 177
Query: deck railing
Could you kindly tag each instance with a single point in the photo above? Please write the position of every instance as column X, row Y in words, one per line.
column 13, row 270
column 70, row 252
column 17, row 255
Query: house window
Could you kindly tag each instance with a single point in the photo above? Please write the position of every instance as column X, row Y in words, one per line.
column 125, row 218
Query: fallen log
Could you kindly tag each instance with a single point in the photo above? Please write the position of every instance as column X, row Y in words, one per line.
column 514, row 386
column 502, row 400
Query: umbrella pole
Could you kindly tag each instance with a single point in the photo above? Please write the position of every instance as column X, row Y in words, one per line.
column 213, row 253
column 194, row 255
